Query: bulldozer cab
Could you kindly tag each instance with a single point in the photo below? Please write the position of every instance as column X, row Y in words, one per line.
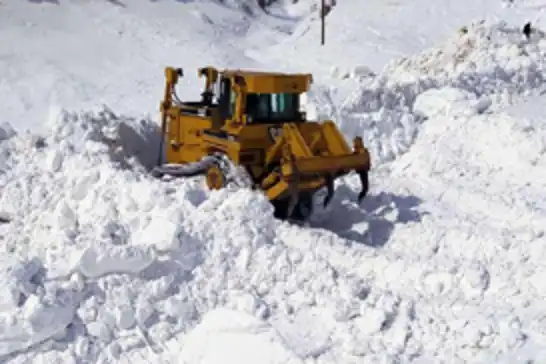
column 261, row 98
column 260, row 108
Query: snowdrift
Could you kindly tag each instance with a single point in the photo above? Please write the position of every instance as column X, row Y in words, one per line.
column 100, row 258
column 482, row 175
column 491, row 62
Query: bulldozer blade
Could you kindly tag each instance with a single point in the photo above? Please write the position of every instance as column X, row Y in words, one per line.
column 330, row 189
column 365, row 185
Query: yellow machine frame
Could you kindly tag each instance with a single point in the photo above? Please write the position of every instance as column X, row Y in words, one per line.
column 287, row 157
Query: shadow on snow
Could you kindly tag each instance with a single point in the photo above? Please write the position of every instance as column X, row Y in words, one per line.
column 373, row 222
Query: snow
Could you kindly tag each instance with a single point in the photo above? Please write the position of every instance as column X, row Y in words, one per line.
column 443, row 261
column 223, row 333
column 97, row 262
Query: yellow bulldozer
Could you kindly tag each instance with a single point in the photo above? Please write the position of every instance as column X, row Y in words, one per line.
column 248, row 129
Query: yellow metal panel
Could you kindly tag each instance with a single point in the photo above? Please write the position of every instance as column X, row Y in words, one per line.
column 277, row 190
column 334, row 140
column 277, row 84
column 192, row 126
column 273, row 82
column 323, row 165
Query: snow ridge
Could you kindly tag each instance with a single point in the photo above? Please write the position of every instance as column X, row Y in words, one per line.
column 128, row 261
column 490, row 60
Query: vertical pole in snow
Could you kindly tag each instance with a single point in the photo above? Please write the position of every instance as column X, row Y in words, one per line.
column 322, row 27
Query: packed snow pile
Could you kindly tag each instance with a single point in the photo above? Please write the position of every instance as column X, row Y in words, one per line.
column 49, row 185
column 101, row 259
column 103, row 263
column 484, row 177
column 513, row 148
column 495, row 49
column 491, row 62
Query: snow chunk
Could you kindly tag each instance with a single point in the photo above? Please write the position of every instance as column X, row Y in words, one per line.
column 18, row 280
column 99, row 261
column 125, row 317
column 163, row 231
column 54, row 161
column 242, row 338
column 99, row 330
column 6, row 131
column 444, row 101
column 38, row 320
column 306, row 334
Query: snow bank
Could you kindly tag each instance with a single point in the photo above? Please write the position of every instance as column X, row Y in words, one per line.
column 483, row 175
column 53, row 195
column 78, row 199
column 508, row 150
column 142, row 259
column 496, row 143
column 489, row 62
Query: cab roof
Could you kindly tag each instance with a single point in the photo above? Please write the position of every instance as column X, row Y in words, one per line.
column 272, row 82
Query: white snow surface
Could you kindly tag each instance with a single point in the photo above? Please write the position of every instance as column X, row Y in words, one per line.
column 442, row 263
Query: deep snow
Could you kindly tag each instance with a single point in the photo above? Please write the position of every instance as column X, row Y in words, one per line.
column 441, row 263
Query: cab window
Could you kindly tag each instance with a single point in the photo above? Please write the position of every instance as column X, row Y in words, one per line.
column 263, row 108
